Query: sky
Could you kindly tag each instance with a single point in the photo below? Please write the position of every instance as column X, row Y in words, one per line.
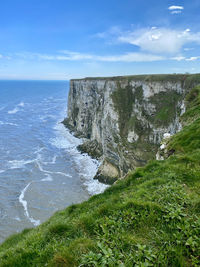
column 64, row 39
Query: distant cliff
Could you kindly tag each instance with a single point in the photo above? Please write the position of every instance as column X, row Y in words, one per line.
column 123, row 119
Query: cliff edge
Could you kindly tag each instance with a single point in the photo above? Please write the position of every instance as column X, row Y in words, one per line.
column 123, row 119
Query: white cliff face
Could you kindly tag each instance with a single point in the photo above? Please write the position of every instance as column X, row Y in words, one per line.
column 127, row 117
column 162, row 151
column 132, row 137
column 152, row 88
column 90, row 108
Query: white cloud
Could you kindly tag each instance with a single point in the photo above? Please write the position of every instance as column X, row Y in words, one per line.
column 66, row 55
column 74, row 55
column 192, row 58
column 130, row 57
column 188, row 48
column 158, row 43
column 5, row 57
column 160, row 40
column 180, row 58
column 176, row 7
column 176, row 12
column 115, row 30
column 63, row 55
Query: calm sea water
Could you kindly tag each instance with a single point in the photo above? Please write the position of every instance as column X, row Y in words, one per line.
column 41, row 170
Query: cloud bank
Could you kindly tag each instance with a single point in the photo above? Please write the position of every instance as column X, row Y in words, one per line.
column 127, row 57
column 160, row 40
column 149, row 44
column 76, row 56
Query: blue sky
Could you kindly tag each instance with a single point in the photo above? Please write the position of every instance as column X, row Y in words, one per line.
column 63, row 39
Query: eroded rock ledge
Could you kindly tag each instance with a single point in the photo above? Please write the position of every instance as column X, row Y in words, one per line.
column 123, row 119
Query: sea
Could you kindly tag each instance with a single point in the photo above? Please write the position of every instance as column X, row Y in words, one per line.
column 41, row 170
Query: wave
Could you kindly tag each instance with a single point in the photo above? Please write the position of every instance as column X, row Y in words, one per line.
column 64, row 140
column 17, row 164
column 48, row 179
column 88, row 166
column 38, row 150
column 8, row 123
column 25, row 206
column 13, row 111
column 16, row 109
column 50, row 172
column 53, row 161
column 95, row 187
column 21, row 104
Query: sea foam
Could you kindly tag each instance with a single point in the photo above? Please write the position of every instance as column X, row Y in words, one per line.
column 48, row 178
column 13, row 111
column 17, row 108
column 50, row 172
column 86, row 166
column 16, row 164
column 8, row 123
column 25, row 206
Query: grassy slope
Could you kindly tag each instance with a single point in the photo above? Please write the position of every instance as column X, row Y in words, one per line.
column 151, row 218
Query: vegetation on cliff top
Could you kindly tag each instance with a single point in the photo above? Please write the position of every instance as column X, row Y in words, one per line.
column 189, row 79
column 151, row 218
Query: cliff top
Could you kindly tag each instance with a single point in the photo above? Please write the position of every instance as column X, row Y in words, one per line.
column 147, row 77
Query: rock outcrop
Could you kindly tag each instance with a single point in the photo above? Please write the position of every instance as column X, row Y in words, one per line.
column 123, row 119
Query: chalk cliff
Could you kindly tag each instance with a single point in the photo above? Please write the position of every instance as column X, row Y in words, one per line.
column 123, row 119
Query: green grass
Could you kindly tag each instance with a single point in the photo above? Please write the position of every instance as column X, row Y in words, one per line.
column 151, row 218
column 188, row 140
column 189, row 79
column 166, row 107
column 123, row 100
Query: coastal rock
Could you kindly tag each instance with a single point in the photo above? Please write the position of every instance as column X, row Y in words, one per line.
column 107, row 173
